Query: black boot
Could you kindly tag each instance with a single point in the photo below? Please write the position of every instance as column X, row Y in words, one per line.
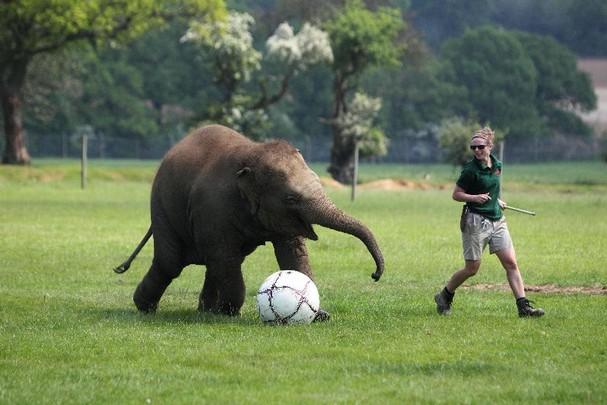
column 443, row 301
column 526, row 309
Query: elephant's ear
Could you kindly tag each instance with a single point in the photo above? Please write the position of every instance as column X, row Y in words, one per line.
column 248, row 187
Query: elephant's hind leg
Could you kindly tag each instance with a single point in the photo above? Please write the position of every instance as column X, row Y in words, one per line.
column 150, row 289
column 166, row 266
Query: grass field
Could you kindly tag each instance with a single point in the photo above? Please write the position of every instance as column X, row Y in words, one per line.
column 69, row 332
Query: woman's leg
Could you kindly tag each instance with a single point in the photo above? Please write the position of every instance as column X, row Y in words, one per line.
column 515, row 279
column 470, row 269
column 445, row 297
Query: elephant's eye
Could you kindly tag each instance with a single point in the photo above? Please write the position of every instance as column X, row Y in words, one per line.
column 291, row 199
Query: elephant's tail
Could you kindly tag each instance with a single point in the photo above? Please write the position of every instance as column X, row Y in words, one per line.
column 125, row 266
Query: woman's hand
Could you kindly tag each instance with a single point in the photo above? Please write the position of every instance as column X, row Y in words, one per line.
column 459, row 194
column 502, row 204
column 480, row 198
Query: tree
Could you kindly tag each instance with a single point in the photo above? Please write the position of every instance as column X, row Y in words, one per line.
column 51, row 91
column 497, row 79
column 524, row 84
column 360, row 39
column 143, row 90
column 360, row 124
column 236, row 63
column 38, row 27
column 176, row 79
column 561, row 88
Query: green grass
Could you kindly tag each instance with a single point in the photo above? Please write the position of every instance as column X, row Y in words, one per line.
column 69, row 332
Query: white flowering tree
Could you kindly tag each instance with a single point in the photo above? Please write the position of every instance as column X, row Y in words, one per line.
column 231, row 44
column 359, row 124
column 237, row 62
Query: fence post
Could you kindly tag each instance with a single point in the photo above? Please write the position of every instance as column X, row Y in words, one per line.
column 83, row 162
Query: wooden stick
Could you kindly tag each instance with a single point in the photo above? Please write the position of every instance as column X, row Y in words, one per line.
column 508, row 207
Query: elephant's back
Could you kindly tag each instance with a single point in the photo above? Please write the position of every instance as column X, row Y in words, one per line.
column 208, row 142
column 203, row 163
column 203, row 149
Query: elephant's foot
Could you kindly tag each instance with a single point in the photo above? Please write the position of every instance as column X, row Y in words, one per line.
column 143, row 302
column 150, row 290
column 144, row 306
column 322, row 316
column 219, row 310
column 229, row 309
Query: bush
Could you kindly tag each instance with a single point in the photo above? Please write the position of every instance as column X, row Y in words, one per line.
column 454, row 137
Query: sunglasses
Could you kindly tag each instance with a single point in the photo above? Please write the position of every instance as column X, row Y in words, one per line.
column 480, row 147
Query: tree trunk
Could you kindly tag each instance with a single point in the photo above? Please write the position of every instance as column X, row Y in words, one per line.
column 15, row 151
column 342, row 151
column 342, row 157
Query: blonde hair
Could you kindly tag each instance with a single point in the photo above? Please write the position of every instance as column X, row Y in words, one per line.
column 485, row 133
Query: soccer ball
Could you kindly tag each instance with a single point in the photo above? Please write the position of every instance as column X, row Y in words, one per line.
column 288, row 297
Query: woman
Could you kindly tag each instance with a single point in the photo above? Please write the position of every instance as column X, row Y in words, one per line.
column 483, row 223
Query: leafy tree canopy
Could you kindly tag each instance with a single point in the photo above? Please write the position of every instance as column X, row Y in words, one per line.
column 559, row 80
column 561, row 87
column 34, row 27
column 498, row 77
column 361, row 38
column 524, row 84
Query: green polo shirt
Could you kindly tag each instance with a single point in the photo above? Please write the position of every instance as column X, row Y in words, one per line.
column 477, row 178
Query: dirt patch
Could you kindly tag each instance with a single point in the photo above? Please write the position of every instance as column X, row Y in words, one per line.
column 49, row 176
column 329, row 182
column 544, row 288
column 392, row 184
column 385, row 184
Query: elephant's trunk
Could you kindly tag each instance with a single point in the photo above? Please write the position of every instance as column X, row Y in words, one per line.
column 328, row 215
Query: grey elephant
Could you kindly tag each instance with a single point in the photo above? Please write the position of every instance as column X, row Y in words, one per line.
column 218, row 195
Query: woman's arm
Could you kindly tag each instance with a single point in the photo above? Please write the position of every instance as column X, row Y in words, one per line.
column 459, row 194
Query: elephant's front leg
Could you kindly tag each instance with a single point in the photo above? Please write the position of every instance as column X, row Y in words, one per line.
column 292, row 254
column 224, row 289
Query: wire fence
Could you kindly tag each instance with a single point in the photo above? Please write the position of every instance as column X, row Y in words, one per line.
column 421, row 149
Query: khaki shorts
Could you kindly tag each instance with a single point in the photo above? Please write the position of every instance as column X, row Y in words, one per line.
column 480, row 231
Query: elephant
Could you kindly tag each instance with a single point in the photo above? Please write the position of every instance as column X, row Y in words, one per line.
column 216, row 197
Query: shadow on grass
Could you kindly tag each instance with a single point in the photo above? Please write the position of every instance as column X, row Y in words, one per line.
column 166, row 316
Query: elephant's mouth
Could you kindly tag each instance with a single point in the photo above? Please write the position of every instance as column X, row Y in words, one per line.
column 308, row 231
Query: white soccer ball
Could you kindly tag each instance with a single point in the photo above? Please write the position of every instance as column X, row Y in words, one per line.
column 288, row 297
